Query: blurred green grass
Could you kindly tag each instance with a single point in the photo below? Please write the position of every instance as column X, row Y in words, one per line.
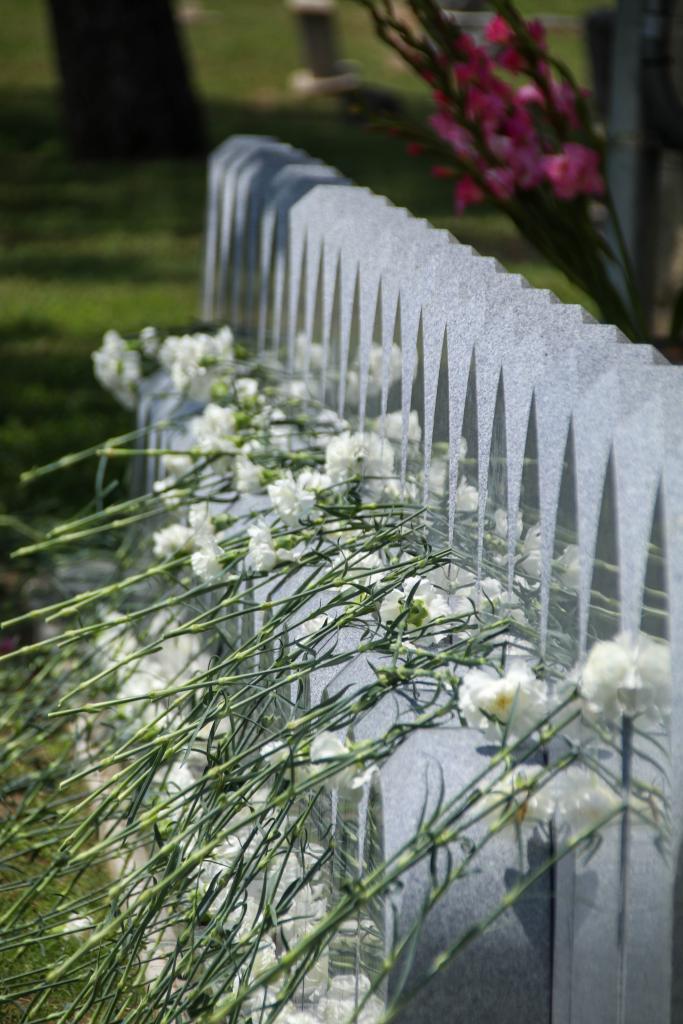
column 88, row 246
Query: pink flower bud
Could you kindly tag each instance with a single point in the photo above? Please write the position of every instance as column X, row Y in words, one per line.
column 498, row 31
column 467, row 193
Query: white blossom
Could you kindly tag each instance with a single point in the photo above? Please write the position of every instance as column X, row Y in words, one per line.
column 197, row 361
column 349, row 780
column 207, row 552
column 627, row 677
column 290, row 500
column 171, row 540
column 279, row 430
column 530, row 561
column 246, row 390
column 149, row 339
column 512, row 704
column 500, row 518
column 350, row 455
column 420, row 596
column 569, row 566
column 118, row 368
column 214, row 431
column 313, row 480
column 206, row 557
column 261, row 553
column 393, row 427
column 310, row 627
column 466, row 496
column 247, row 475
column 583, row 800
column 520, row 797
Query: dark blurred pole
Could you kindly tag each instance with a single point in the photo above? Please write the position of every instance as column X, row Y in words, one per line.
column 632, row 155
column 126, row 90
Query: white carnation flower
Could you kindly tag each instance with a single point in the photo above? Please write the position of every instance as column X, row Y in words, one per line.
column 514, row 703
column 214, row 431
column 623, row 677
column 533, row 803
column 291, row 501
column 348, row 780
column 425, row 602
column 313, row 480
column 149, row 339
column 310, row 627
column 466, row 496
column 247, row 475
column 531, row 561
column 279, row 430
column 171, row 540
column 500, row 518
column 206, row 557
column 569, row 566
column 118, row 368
column 583, row 800
column 261, row 553
column 246, row 390
column 393, row 427
column 196, row 362
column 350, row 455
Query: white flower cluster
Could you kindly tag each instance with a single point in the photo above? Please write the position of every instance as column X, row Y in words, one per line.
column 196, row 362
column 418, row 599
column 199, row 538
column 118, row 368
column 348, row 780
column 627, row 677
column 508, row 706
column 364, row 455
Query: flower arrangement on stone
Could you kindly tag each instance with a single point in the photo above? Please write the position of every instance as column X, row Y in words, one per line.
column 279, row 554
column 513, row 129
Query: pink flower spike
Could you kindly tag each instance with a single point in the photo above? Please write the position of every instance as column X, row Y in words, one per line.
column 501, row 181
column 511, row 59
column 574, row 172
column 537, row 32
column 531, row 93
column 498, row 31
column 414, row 148
column 467, row 193
column 526, row 162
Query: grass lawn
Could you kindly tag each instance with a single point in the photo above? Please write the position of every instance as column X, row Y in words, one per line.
column 87, row 246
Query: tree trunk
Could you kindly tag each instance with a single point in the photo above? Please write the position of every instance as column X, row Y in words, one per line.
column 126, row 90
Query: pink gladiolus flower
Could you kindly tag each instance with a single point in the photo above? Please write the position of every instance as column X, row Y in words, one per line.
column 520, row 126
column 527, row 163
column 574, row 172
column 537, row 32
column 565, row 102
column 511, row 59
column 501, row 181
column 467, row 193
column 457, row 136
column 498, row 31
column 485, row 107
column 531, row 93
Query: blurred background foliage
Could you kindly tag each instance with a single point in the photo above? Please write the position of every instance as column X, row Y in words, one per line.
column 91, row 245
